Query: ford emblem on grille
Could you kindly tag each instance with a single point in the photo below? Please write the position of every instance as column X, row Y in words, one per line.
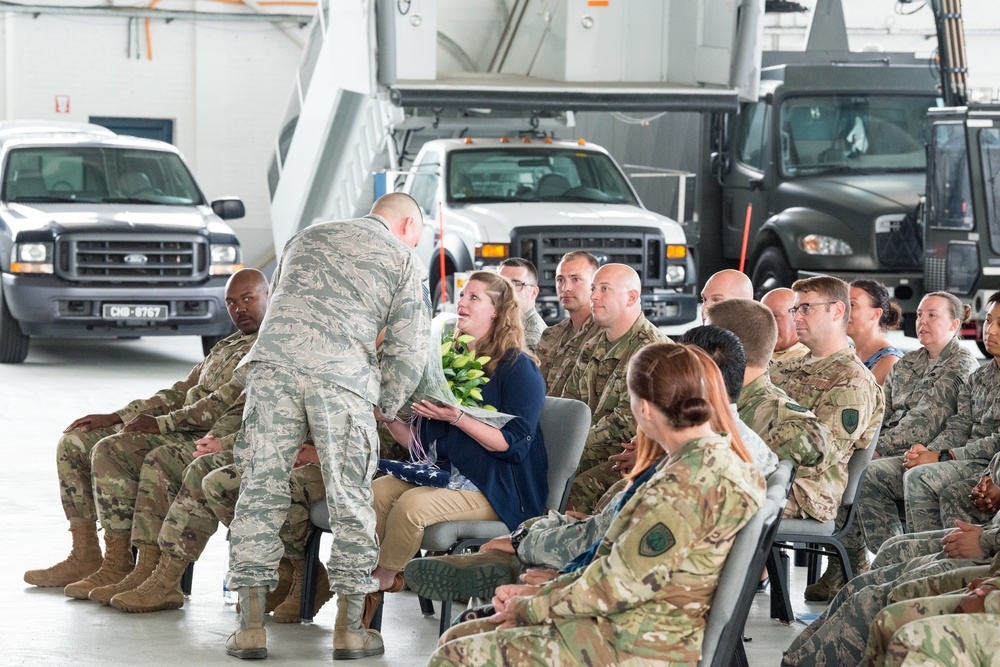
column 136, row 259
column 601, row 258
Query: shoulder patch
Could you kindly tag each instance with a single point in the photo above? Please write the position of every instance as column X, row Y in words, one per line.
column 795, row 407
column 657, row 540
column 849, row 419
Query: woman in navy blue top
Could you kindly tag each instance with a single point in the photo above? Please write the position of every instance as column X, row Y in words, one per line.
column 872, row 314
column 496, row 474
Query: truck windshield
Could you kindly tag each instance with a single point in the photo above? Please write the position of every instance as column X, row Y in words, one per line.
column 989, row 146
column 860, row 134
column 65, row 174
column 950, row 199
column 519, row 175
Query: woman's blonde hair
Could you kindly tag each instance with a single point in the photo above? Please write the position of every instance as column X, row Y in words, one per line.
column 507, row 333
column 685, row 386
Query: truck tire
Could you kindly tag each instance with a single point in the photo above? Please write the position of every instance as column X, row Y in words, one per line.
column 449, row 283
column 13, row 342
column 771, row 271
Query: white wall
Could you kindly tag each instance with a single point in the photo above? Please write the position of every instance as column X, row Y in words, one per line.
column 224, row 84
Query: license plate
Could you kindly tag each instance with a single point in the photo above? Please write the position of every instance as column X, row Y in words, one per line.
column 134, row 312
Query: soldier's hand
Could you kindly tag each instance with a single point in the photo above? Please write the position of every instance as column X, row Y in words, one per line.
column 974, row 584
column 579, row 516
column 207, row 445
column 504, row 620
column 973, row 603
column 90, row 422
column 141, row 424
column 919, row 455
column 963, row 542
column 307, row 454
column 988, row 498
column 508, row 592
column 538, row 577
column 502, row 544
column 625, row 461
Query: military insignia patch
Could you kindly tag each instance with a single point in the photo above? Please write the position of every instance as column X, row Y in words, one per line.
column 849, row 419
column 657, row 540
column 795, row 407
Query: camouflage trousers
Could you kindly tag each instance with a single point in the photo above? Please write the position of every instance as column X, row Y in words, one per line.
column 898, row 614
column 160, row 480
column 480, row 643
column 885, row 482
column 903, row 548
column 839, row 636
column 76, row 485
column 188, row 523
column 282, row 407
column 116, row 462
column 589, row 486
column 966, row 640
column 221, row 488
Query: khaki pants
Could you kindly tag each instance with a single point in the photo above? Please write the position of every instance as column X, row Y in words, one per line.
column 403, row 510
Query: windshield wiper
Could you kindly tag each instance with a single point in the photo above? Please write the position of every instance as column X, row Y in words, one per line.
column 42, row 199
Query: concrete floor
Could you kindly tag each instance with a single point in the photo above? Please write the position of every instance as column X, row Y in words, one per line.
column 63, row 380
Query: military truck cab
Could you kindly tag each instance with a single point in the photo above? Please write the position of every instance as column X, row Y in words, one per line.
column 961, row 220
column 823, row 174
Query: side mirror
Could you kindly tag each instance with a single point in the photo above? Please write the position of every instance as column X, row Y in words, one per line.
column 229, row 208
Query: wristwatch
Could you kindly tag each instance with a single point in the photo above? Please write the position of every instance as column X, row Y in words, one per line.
column 517, row 536
column 945, row 455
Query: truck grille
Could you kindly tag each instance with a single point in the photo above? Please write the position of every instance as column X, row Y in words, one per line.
column 132, row 258
column 901, row 247
column 643, row 251
column 935, row 279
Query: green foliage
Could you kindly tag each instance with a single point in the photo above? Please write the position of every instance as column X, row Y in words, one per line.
column 464, row 370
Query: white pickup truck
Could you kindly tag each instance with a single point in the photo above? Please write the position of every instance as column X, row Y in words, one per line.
column 539, row 199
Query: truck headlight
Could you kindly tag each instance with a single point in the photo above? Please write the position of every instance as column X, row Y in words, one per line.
column 225, row 260
column 31, row 258
column 675, row 274
column 817, row 244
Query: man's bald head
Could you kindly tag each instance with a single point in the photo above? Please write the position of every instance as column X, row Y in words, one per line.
column 726, row 284
column 246, row 299
column 247, row 279
column 615, row 299
column 778, row 301
column 403, row 214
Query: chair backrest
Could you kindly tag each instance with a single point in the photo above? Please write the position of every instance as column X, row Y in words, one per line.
column 565, row 423
column 779, row 482
column 856, row 469
column 738, row 584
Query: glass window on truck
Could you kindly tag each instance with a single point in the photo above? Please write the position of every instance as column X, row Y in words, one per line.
column 522, row 175
column 950, row 198
column 860, row 134
column 750, row 144
column 98, row 175
column 989, row 146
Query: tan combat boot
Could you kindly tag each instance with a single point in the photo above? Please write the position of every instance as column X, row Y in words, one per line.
column 286, row 572
column 250, row 641
column 116, row 566
column 350, row 639
column 162, row 590
column 84, row 558
column 149, row 555
column 290, row 610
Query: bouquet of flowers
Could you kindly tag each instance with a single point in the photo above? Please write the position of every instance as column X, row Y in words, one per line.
column 464, row 370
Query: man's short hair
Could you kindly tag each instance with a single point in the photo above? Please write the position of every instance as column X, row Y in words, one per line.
column 726, row 351
column 521, row 263
column 752, row 322
column 830, row 288
column 581, row 254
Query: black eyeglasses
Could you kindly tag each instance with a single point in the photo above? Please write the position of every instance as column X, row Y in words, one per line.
column 806, row 308
column 518, row 285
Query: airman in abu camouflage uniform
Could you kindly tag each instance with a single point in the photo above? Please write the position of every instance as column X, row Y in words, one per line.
column 646, row 594
column 182, row 412
column 599, row 378
column 314, row 368
column 560, row 344
column 839, row 635
column 920, row 394
column 957, row 456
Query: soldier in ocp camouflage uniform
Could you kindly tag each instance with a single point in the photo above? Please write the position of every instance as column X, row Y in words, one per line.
column 183, row 412
column 968, row 441
column 314, row 368
column 599, row 379
column 892, row 638
column 560, row 344
column 969, row 640
column 523, row 274
column 668, row 544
